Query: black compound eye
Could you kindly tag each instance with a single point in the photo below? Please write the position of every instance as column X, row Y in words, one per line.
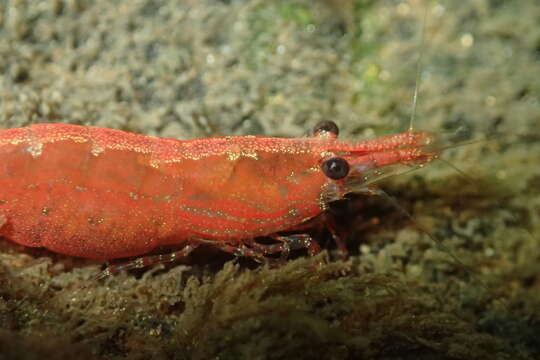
column 326, row 126
column 335, row 168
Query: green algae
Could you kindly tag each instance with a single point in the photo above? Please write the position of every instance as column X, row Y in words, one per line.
column 278, row 67
column 309, row 308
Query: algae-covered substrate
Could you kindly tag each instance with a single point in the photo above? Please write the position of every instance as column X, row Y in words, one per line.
column 198, row 68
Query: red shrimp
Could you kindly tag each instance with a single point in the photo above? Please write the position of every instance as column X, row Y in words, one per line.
column 101, row 193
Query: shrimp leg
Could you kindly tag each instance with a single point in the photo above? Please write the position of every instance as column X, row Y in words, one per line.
column 145, row 261
column 259, row 252
column 286, row 244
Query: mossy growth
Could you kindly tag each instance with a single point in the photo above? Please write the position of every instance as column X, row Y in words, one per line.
column 308, row 308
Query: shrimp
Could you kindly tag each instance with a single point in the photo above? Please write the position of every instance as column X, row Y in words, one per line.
column 105, row 194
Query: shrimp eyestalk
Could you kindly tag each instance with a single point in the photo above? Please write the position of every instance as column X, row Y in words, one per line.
column 102, row 193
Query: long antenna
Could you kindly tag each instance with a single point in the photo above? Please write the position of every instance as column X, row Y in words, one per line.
column 379, row 192
column 418, row 70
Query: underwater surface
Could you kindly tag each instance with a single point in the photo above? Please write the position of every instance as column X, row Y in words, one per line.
column 459, row 281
